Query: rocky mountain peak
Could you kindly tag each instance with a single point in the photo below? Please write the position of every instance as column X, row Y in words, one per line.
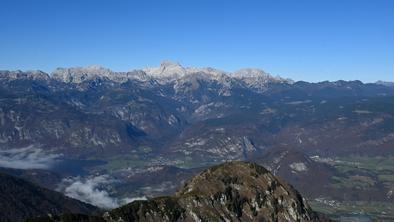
column 91, row 69
column 167, row 72
column 167, row 69
column 79, row 74
column 385, row 83
column 18, row 74
column 233, row 191
column 169, row 63
column 250, row 73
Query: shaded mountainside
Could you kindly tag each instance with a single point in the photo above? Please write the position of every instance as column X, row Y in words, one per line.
column 299, row 170
column 20, row 200
column 233, row 191
column 43, row 178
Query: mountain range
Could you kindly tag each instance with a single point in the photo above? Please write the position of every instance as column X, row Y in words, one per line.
column 143, row 133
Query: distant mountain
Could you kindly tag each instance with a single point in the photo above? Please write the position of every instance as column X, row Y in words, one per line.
column 186, row 113
column 234, row 191
column 87, row 111
column 43, row 178
column 20, row 200
column 391, row 84
column 167, row 72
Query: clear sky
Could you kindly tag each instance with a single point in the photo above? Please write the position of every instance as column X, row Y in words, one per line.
column 311, row 40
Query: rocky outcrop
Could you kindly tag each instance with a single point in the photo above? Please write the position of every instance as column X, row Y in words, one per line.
column 233, row 191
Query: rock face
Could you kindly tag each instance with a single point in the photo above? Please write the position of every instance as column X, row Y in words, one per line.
column 20, row 200
column 233, row 191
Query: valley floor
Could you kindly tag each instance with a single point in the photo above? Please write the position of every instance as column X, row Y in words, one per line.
column 364, row 174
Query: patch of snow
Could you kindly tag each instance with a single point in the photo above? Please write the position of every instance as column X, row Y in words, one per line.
column 299, row 102
column 299, row 166
column 389, row 194
column 362, row 111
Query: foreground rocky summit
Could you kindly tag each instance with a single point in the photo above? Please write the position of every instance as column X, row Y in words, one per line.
column 233, row 191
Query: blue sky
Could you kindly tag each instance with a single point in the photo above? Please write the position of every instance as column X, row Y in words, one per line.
column 311, row 40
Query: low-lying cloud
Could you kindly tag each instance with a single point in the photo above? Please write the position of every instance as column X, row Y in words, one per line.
column 27, row 158
column 93, row 190
column 131, row 199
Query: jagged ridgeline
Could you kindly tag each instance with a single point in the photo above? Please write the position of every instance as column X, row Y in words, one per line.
column 183, row 113
column 233, row 191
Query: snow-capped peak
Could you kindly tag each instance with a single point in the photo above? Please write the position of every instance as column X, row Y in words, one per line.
column 252, row 75
column 249, row 73
column 88, row 70
column 18, row 74
column 166, row 69
column 79, row 74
